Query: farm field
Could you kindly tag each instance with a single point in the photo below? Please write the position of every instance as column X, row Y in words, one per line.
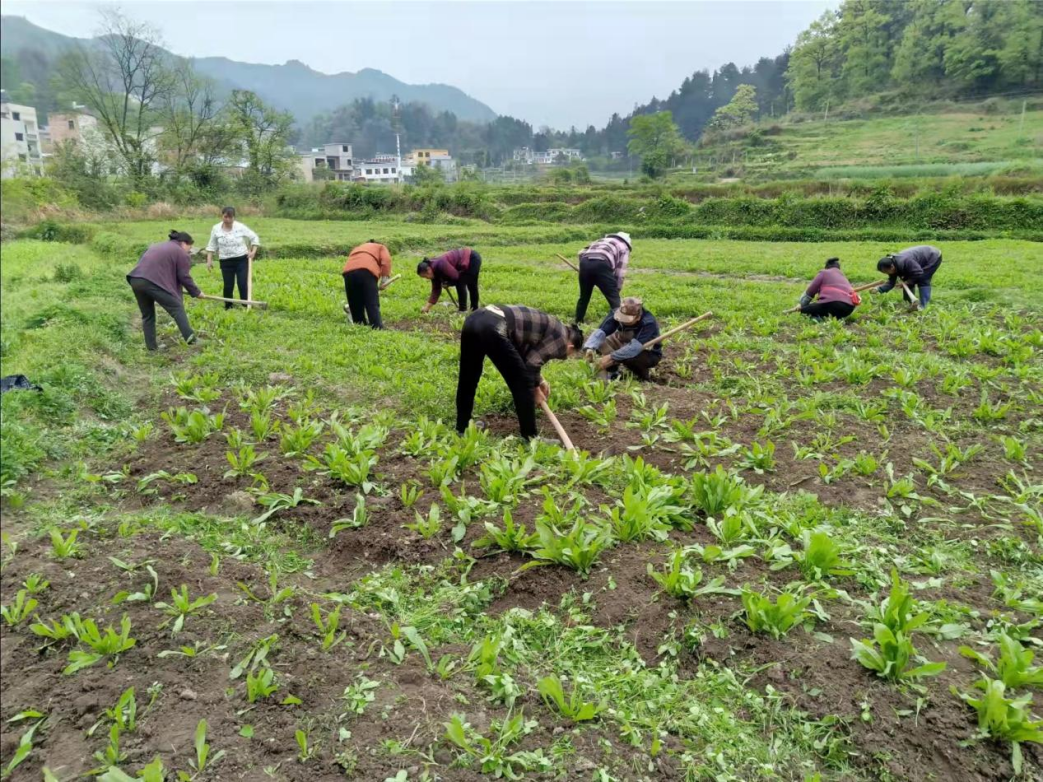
column 792, row 556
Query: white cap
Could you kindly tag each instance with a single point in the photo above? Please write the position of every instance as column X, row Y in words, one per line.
column 624, row 236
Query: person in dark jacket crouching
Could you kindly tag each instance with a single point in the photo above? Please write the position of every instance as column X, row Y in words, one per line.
column 162, row 271
column 519, row 341
column 621, row 339
column 830, row 294
column 915, row 266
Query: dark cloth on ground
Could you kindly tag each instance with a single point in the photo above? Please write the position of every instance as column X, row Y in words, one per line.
column 168, row 266
column 235, row 271
column 148, row 295
column 596, row 273
column 360, row 287
column 17, row 383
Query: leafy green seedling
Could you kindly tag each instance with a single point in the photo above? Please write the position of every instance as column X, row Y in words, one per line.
column 679, row 580
column 763, row 615
column 889, row 655
column 203, row 759
column 243, row 461
column 359, row 517
column 305, row 752
column 511, row 537
column 102, row 645
column 1005, row 719
column 182, row 606
column 573, row 707
column 427, row 526
column 20, row 609
column 1014, row 667
column 261, row 685
column 360, row 694
column 35, row 584
column 328, row 626
column 276, row 501
column 577, row 549
column 65, row 547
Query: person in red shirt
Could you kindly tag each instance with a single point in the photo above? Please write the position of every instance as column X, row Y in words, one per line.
column 835, row 296
column 459, row 268
column 162, row 271
column 366, row 272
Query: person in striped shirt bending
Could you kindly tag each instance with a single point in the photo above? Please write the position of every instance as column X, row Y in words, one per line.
column 836, row 297
column 603, row 265
column 519, row 341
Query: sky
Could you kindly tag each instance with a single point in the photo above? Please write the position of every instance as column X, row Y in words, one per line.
column 549, row 63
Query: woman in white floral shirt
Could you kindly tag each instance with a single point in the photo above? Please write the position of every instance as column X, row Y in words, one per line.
column 235, row 245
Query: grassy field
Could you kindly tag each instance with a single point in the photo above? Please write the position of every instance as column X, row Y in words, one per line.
column 705, row 593
column 959, row 143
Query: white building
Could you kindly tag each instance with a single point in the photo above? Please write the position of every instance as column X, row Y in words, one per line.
column 551, row 157
column 335, row 157
column 445, row 164
column 379, row 168
column 19, row 139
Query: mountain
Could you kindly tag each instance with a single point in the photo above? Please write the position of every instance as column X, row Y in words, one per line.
column 293, row 87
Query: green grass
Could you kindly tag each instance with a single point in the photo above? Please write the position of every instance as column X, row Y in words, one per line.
column 684, row 694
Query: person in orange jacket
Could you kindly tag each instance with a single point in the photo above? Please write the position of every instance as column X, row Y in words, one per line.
column 366, row 272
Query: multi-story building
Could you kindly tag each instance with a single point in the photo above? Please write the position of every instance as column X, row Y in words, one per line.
column 423, row 157
column 335, row 160
column 379, row 168
column 19, row 139
column 72, row 126
column 549, row 158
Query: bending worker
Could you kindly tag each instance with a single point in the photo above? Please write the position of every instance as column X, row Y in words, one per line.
column 519, row 341
column 836, row 296
column 603, row 265
column 915, row 266
column 458, row 268
column 366, row 264
column 621, row 338
column 162, row 271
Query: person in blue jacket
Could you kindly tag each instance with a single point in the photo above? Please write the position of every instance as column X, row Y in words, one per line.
column 915, row 266
column 620, row 340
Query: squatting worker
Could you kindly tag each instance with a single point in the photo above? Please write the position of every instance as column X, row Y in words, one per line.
column 368, row 268
column 519, row 341
column 915, row 266
column 603, row 265
column 621, row 339
column 162, row 271
column 836, row 297
column 235, row 245
column 458, row 268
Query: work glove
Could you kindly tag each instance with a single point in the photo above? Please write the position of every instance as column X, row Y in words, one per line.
column 384, row 282
column 805, row 300
column 591, row 355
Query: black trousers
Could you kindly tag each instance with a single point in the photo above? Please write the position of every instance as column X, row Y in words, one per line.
column 235, row 270
column 485, row 334
column 149, row 295
column 360, row 286
column 596, row 273
column 828, row 309
column 468, row 282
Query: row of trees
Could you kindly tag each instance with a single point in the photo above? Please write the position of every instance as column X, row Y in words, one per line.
column 954, row 47
column 158, row 116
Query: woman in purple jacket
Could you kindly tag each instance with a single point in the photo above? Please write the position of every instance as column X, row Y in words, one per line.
column 162, row 271
column 458, row 268
column 836, row 297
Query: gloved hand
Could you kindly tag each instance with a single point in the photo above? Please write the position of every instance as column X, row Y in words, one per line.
column 384, row 282
column 805, row 300
column 591, row 355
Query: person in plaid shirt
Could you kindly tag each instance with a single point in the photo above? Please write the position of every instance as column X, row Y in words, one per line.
column 603, row 265
column 519, row 341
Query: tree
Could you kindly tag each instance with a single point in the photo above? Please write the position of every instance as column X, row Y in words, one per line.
column 656, row 139
column 814, row 63
column 740, row 110
column 1022, row 54
column 866, row 44
column 124, row 80
column 427, row 175
column 264, row 132
column 193, row 130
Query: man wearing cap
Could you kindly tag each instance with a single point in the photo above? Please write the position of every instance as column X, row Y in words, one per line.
column 621, row 339
column 915, row 266
column 603, row 265
column 519, row 341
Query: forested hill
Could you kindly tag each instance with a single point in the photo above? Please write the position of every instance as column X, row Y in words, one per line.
column 31, row 52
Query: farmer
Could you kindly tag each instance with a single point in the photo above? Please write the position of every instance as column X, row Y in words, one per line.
column 603, row 265
column 162, row 271
column 915, row 266
column 459, row 268
column 836, row 297
column 366, row 264
column 621, row 338
column 519, row 341
column 235, row 245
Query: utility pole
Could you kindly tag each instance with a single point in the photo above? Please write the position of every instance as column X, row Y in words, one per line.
column 396, row 124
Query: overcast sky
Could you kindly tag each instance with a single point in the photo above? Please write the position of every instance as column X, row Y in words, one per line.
column 553, row 63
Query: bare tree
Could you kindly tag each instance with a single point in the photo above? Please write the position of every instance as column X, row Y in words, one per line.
column 265, row 134
column 124, row 78
column 193, row 123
